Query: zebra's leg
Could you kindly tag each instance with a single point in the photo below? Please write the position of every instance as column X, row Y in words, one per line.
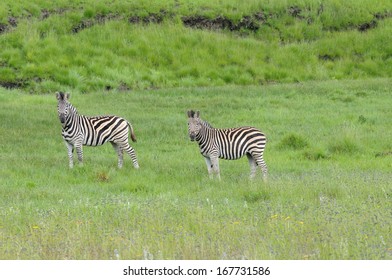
column 209, row 166
column 119, row 153
column 131, row 152
column 253, row 166
column 215, row 166
column 70, row 153
column 263, row 166
column 79, row 151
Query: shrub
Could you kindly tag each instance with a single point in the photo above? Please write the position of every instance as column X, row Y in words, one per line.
column 346, row 145
column 293, row 141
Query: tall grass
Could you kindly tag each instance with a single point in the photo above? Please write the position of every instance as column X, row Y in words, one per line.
column 92, row 45
column 331, row 207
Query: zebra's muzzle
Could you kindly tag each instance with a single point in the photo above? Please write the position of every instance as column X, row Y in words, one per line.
column 62, row 119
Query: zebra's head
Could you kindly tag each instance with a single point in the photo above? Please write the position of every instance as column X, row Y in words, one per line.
column 62, row 106
column 194, row 124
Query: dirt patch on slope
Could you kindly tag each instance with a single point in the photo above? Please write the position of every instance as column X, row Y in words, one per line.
column 251, row 23
column 150, row 18
column 13, row 84
column 367, row 25
column 3, row 28
column 98, row 19
column 12, row 22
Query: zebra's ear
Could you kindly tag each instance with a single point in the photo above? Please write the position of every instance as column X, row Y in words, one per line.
column 67, row 95
column 191, row 113
column 62, row 96
column 197, row 114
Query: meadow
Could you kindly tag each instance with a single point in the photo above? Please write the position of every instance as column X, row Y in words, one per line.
column 315, row 76
column 328, row 195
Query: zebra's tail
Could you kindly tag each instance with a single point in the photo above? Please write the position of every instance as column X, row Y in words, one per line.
column 133, row 136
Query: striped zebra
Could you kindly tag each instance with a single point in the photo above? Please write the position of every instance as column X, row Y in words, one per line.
column 232, row 143
column 79, row 130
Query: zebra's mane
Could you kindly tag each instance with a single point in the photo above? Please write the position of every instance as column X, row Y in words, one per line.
column 72, row 107
column 75, row 111
column 100, row 117
column 205, row 123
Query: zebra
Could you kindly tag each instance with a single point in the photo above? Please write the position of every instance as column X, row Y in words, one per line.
column 79, row 130
column 231, row 143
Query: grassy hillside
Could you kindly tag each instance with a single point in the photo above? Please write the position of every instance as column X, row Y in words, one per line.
column 123, row 45
column 328, row 194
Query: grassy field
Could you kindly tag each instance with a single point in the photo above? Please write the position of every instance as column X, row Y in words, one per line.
column 328, row 194
column 315, row 76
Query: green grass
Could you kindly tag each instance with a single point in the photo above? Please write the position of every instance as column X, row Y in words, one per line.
column 315, row 76
column 94, row 45
column 328, row 199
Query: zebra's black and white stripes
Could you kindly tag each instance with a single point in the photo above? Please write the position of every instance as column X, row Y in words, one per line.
column 79, row 130
column 232, row 143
